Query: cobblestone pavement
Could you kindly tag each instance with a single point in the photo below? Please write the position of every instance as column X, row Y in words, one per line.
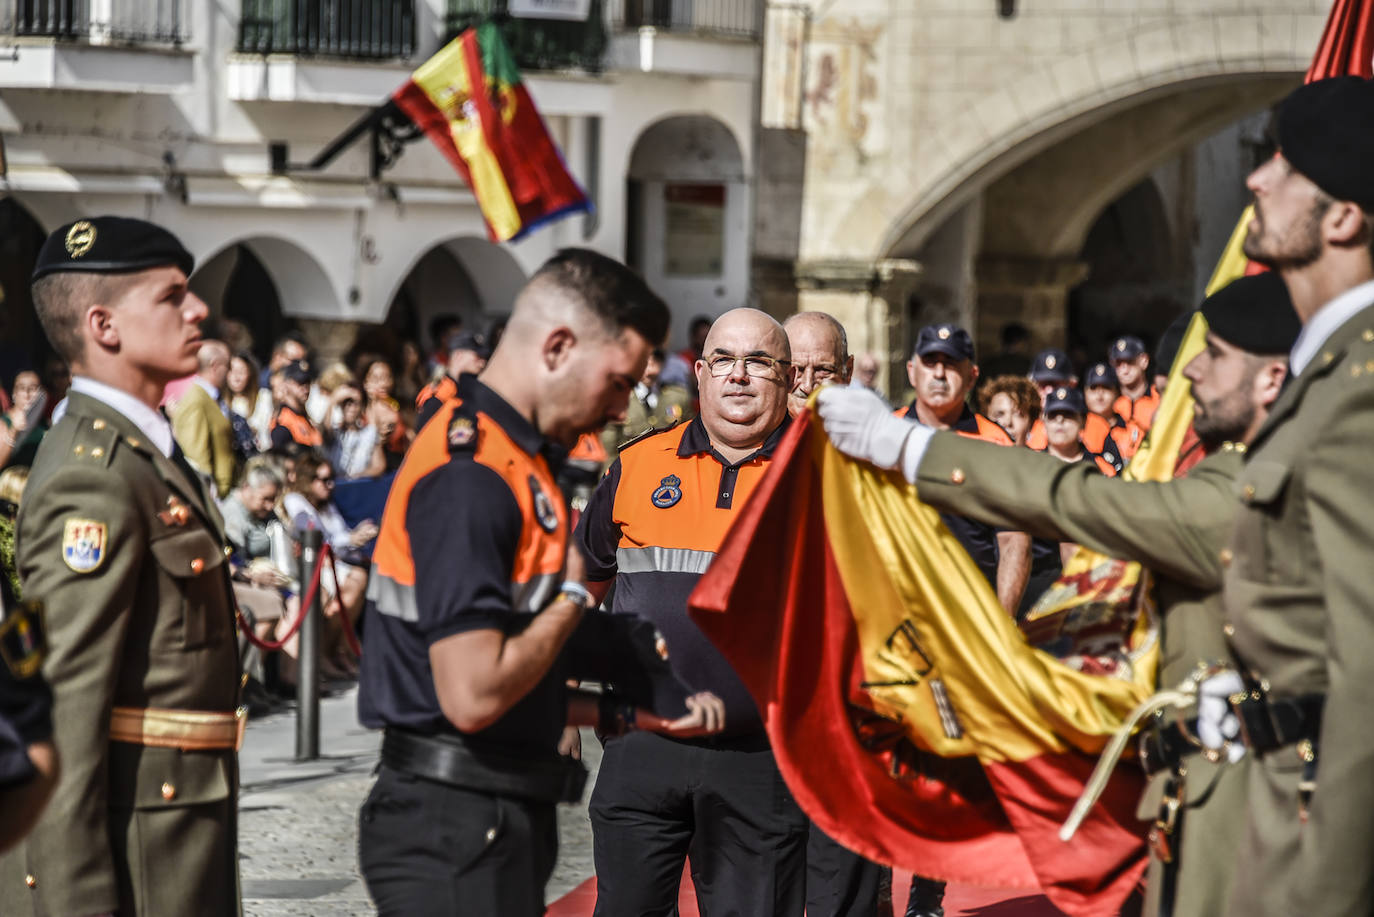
column 298, row 837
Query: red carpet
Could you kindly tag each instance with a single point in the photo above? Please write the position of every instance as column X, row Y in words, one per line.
column 960, row 901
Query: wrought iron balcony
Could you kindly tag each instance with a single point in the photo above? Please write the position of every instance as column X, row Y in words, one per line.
column 359, row 29
column 97, row 21
column 538, row 44
column 726, row 18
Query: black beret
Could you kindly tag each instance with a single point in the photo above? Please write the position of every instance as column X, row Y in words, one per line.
column 1254, row 314
column 1326, row 131
column 945, row 338
column 111, row 245
column 1051, row 366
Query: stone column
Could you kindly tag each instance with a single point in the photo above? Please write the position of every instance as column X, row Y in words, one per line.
column 870, row 299
column 1029, row 290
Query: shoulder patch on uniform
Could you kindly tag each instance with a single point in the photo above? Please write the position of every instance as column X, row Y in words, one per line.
column 462, row 433
column 543, row 507
column 23, row 639
column 668, row 492
column 83, row 544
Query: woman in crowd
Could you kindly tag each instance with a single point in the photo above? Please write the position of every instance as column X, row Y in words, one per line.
column 1014, row 403
column 247, row 400
column 350, row 440
column 379, row 384
column 23, row 425
column 310, row 505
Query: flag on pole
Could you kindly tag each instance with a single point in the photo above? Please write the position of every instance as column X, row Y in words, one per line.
column 469, row 99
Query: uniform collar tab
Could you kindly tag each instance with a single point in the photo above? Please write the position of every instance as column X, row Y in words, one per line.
column 480, row 397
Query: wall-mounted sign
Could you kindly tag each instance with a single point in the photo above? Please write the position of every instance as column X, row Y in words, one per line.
column 577, row 10
column 694, row 230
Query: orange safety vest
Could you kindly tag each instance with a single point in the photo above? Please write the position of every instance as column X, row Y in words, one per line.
column 299, row 426
column 536, row 570
column 1140, row 412
column 588, row 449
column 442, row 388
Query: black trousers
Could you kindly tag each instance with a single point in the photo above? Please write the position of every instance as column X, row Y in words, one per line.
column 839, row 882
column 658, row 802
column 430, row 849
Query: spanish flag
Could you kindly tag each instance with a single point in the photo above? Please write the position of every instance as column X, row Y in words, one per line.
column 910, row 718
column 470, row 100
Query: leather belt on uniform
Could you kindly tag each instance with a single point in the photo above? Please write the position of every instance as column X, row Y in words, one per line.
column 188, row 730
column 1165, row 744
column 1268, row 723
column 450, row 761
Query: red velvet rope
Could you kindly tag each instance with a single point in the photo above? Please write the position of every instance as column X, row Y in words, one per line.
column 306, row 601
column 350, row 637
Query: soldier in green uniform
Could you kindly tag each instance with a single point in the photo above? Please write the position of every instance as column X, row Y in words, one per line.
column 1299, row 585
column 1175, row 528
column 120, row 542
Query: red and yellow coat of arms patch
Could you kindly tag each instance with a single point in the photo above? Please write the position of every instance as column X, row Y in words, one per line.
column 83, row 544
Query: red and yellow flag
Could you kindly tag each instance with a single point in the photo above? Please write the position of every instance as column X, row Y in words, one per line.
column 470, row 100
column 910, row 718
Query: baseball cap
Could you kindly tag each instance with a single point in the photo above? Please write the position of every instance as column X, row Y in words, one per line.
column 945, row 338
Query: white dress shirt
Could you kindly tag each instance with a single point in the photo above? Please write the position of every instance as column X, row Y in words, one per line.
column 1327, row 320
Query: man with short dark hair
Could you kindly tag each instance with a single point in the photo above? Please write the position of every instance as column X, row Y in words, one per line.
column 467, row 353
column 1138, row 400
column 122, row 544
column 462, row 665
column 291, row 425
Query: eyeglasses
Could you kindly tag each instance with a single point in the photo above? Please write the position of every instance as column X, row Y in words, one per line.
column 756, row 365
column 326, row 480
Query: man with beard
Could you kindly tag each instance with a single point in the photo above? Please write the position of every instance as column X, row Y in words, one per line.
column 1176, row 528
column 1297, row 588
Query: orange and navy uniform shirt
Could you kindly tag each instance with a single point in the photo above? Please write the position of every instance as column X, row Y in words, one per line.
column 291, row 426
column 979, row 540
column 474, row 537
column 432, row 397
column 653, row 525
column 1140, row 412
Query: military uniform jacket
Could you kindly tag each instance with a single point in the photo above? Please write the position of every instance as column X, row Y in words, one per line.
column 1177, row 529
column 674, row 405
column 1299, row 604
column 128, row 557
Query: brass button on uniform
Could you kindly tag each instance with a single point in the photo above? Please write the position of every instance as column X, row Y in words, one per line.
column 228, row 551
column 30, row 881
column 956, row 476
column 169, row 792
column 1226, row 557
column 1368, row 336
column 1229, row 630
column 491, row 835
column 135, row 443
column 197, row 565
column 97, row 452
column 1248, row 492
column 97, row 424
column 79, row 450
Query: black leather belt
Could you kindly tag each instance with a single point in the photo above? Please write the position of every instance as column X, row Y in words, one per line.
column 450, row 761
column 1268, row 723
column 1164, row 745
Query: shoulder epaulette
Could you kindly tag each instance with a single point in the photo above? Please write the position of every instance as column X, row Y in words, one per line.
column 95, row 441
column 655, row 431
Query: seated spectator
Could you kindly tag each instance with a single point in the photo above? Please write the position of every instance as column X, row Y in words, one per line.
column 249, row 403
column 22, row 426
column 310, row 505
column 291, row 423
column 351, row 440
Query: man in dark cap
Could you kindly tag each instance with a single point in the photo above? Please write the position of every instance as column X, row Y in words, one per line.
column 1297, row 585
column 1138, row 400
column 468, row 352
column 117, row 537
column 1176, row 528
column 292, row 427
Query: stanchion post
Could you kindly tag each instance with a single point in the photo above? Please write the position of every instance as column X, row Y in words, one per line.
column 308, row 661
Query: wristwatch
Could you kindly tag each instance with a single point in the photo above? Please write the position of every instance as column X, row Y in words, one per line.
column 575, row 592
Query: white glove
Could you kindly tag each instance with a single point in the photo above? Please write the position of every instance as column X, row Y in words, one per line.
column 1216, row 724
column 862, row 426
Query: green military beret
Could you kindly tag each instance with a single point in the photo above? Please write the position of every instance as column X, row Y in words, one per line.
column 111, row 245
column 1254, row 314
column 1326, row 130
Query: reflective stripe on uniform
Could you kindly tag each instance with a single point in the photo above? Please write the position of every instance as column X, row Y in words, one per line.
column 533, row 595
column 662, row 560
column 391, row 598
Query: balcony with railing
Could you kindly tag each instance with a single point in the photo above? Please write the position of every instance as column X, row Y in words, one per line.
column 346, row 29
column 538, row 44
column 720, row 18
column 96, row 45
column 134, row 22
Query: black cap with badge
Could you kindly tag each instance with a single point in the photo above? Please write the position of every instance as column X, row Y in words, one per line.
column 1066, row 399
column 1126, row 347
column 298, row 371
column 945, row 338
column 1101, row 375
column 111, row 245
column 469, row 340
column 1051, row 366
